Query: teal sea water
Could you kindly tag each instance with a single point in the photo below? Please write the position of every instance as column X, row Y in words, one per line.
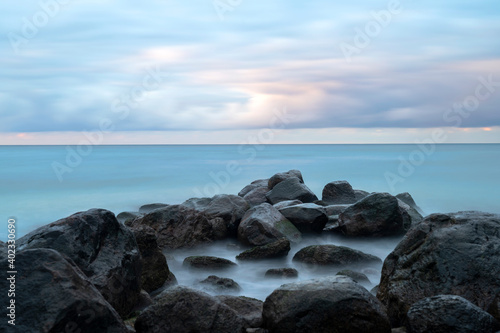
column 40, row 184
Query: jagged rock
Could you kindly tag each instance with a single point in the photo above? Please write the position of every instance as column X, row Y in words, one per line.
column 306, row 217
column 277, row 249
column 291, row 189
column 338, row 192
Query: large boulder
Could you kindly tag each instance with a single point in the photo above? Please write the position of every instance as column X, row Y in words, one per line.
column 256, row 196
column 456, row 254
column 360, row 194
column 335, row 209
column 306, row 217
column 155, row 271
column 332, row 304
column 53, row 295
column 279, row 177
column 335, row 256
column 103, row 248
column 208, row 263
column 253, row 185
column 264, row 224
column 378, row 214
column 338, row 192
column 291, row 189
column 415, row 216
column 449, row 314
column 250, row 309
column 408, row 199
column 183, row 310
column 277, row 249
column 283, row 204
column 356, row 276
column 127, row 217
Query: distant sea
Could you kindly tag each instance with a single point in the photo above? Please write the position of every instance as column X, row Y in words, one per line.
column 41, row 184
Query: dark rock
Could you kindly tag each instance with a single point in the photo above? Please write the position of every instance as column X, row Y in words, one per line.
column 333, row 304
column 449, row 314
column 127, row 217
column 283, row 204
column 250, row 309
column 208, row 263
column 338, row 192
column 276, row 249
column 145, row 209
column 306, row 217
column 332, row 255
column 378, row 214
column 415, row 216
column 335, row 209
column 103, row 248
column 282, row 273
column 291, row 189
column 360, row 194
column 256, row 196
column 356, row 276
column 264, row 224
column 143, row 302
column 399, row 330
column 333, row 224
column 374, row 290
column 220, row 285
column 408, row 199
column 184, row 310
column 155, row 271
column 282, row 176
column 53, row 295
column 255, row 184
column 456, row 254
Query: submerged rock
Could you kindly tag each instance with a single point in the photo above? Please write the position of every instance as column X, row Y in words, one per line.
column 208, row 263
column 276, row 249
column 338, row 192
column 282, row 273
column 291, row 189
column 220, row 285
column 332, row 255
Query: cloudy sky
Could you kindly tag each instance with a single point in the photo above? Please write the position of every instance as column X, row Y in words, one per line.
column 231, row 71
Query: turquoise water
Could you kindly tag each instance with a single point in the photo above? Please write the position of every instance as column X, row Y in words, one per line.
column 119, row 178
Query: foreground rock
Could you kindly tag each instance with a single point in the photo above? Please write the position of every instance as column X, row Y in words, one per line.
column 335, row 256
column 456, row 254
column 184, row 310
column 449, row 314
column 250, row 309
column 220, row 285
column 282, row 176
column 104, row 249
column 54, row 295
column 338, row 193
column 155, row 271
column 307, row 217
column 291, row 189
column 282, row 273
column 264, row 224
column 208, row 263
column 333, row 304
column 378, row 214
column 277, row 249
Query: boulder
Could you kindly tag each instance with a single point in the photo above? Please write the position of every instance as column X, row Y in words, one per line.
column 415, row 216
column 279, row 177
column 333, row 224
column 338, row 192
column 264, row 224
column 252, row 186
column 291, row 189
column 155, row 271
column 306, row 217
column 356, row 276
column 282, row 273
column 144, row 209
column 183, row 310
column 103, row 248
column 250, row 309
column 335, row 209
column 408, row 199
column 449, row 314
column 53, row 295
column 208, row 263
column 256, row 196
column 456, row 254
column 376, row 215
column 127, row 217
column 276, row 249
column 283, row 204
column 360, row 194
column 333, row 255
column 220, row 285
column 333, row 304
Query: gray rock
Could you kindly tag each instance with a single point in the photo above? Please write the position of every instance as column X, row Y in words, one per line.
column 264, row 224
column 103, row 248
column 53, row 295
column 256, row 196
column 282, row 273
column 279, row 177
column 220, row 285
column 184, row 310
column 360, row 194
column 127, row 217
column 306, row 217
column 335, row 209
column 456, row 254
column 208, row 263
column 144, row 209
column 449, row 314
column 378, row 214
column 333, row 224
column 356, row 276
column 291, row 189
column 332, row 304
column 332, row 255
column 255, row 184
column 338, row 192
column 408, row 199
column 250, row 309
column 276, row 249
column 415, row 216
column 283, row 204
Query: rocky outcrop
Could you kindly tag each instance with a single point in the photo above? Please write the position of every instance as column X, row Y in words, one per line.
column 220, row 285
column 456, row 254
column 104, row 249
column 53, row 295
column 264, row 224
column 276, row 249
column 449, row 314
column 291, row 189
column 250, row 309
column 306, row 217
column 282, row 176
column 335, row 256
column 282, row 273
column 208, row 263
column 338, row 192
column 333, row 304
column 183, row 310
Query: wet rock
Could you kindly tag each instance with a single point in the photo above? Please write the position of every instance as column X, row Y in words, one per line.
column 282, row 273
column 291, row 189
column 282, row 176
column 306, row 217
column 256, row 196
column 127, row 217
column 415, row 216
column 208, row 263
column 333, row 304
column 338, row 192
column 283, row 204
column 335, row 209
column 408, row 199
column 360, row 194
column 276, row 249
column 332, row 255
column 252, row 186
column 144, row 209
column 356, row 276
column 250, row 309
column 220, row 285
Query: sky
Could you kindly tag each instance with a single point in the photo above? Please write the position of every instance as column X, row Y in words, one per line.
column 241, row 71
